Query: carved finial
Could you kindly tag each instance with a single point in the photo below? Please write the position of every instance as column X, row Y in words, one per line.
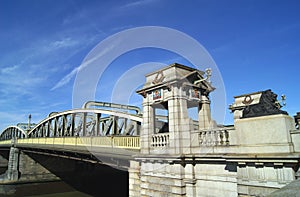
column 208, row 72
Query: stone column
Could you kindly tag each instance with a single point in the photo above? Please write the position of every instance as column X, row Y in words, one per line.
column 204, row 114
column 147, row 127
column 179, row 124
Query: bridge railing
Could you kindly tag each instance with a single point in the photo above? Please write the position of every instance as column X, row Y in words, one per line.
column 215, row 136
column 160, row 140
column 128, row 142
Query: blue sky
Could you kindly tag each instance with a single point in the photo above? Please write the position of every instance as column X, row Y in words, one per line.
column 255, row 45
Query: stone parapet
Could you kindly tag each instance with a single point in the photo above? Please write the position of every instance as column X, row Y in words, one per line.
column 265, row 134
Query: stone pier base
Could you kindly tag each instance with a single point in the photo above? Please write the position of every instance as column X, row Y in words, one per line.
column 21, row 168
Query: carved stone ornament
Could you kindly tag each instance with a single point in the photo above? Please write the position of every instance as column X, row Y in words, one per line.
column 248, row 100
column 266, row 106
column 159, row 77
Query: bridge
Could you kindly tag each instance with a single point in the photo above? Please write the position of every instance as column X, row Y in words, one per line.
column 163, row 155
column 102, row 132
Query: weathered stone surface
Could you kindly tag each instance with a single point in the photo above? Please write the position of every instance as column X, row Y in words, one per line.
column 265, row 134
column 291, row 190
column 255, row 157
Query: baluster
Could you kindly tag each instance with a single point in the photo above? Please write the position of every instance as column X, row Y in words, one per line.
column 160, row 141
column 201, row 138
column 226, row 137
column 221, row 137
column 152, row 140
column 209, row 138
column 215, row 137
column 168, row 139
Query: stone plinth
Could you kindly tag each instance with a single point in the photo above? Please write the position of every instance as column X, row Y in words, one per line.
column 265, row 134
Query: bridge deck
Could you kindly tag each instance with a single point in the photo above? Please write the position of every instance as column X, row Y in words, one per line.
column 112, row 150
column 121, row 146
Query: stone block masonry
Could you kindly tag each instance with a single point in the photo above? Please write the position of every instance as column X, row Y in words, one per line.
column 256, row 156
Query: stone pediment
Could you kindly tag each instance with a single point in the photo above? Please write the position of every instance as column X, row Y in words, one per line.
column 195, row 79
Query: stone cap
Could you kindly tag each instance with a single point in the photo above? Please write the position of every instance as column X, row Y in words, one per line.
column 177, row 65
column 241, row 101
column 172, row 74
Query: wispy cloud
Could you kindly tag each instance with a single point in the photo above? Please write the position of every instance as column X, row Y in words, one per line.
column 37, row 65
column 26, row 77
column 9, row 69
column 70, row 75
column 66, row 79
column 14, row 79
column 63, row 43
column 138, row 3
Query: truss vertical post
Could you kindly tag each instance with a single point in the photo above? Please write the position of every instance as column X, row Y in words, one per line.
column 97, row 129
column 72, row 124
column 55, row 127
column 48, row 128
column 84, row 124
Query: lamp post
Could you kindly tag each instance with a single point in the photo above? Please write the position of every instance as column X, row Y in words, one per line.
column 29, row 120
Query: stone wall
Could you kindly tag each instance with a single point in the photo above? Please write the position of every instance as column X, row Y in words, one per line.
column 31, row 171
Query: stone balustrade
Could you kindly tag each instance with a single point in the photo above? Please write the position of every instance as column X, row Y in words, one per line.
column 160, row 140
column 214, row 137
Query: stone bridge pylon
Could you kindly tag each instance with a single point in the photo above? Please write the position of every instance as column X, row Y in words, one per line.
column 184, row 157
column 172, row 91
